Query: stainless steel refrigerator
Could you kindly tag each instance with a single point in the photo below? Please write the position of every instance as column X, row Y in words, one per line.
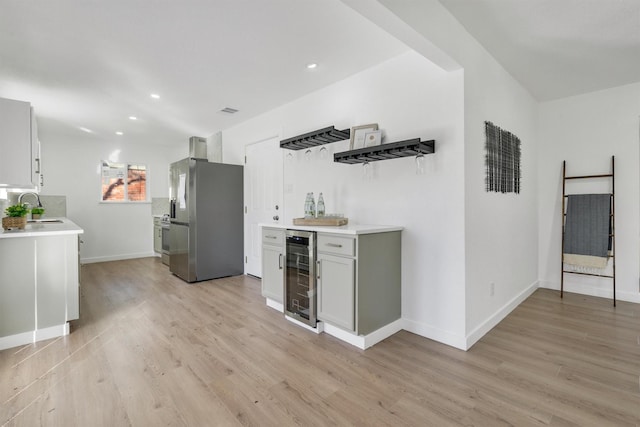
column 206, row 235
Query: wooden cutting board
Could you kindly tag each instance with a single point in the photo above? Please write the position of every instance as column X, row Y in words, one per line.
column 331, row 221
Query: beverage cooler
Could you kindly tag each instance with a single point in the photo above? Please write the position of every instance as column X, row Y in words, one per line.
column 300, row 277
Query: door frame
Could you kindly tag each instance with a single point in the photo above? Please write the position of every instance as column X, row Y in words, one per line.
column 247, row 231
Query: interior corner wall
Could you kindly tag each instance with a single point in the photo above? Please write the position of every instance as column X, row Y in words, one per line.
column 501, row 238
column 71, row 167
column 408, row 97
column 501, row 228
column 585, row 131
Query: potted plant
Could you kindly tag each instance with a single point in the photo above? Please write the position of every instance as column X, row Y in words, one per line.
column 16, row 217
column 36, row 213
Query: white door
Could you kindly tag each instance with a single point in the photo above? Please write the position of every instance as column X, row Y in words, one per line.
column 262, row 196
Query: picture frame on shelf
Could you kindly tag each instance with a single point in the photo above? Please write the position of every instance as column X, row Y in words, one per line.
column 373, row 138
column 358, row 133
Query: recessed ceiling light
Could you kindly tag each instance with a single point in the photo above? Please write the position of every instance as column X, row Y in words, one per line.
column 86, row 130
column 119, row 133
column 155, row 96
column 312, row 65
column 133, row 118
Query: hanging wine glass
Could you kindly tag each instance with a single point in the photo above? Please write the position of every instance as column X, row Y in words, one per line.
column 366, row 171
column 420, row 164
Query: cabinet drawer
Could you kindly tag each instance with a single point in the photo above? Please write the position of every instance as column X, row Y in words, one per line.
column 272, row 236
column 336, row 245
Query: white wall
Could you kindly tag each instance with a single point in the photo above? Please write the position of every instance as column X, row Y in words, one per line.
column 111, row 231
column 501, row 238
column 500, row 233
column 408, row 97
column 586, row 131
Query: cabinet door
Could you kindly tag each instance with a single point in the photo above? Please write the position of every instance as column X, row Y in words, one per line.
column 72, row 245
column 157, row 239
column 336, row 290
column 15, row 143
column 56, row 260
column 273, row 273
column 17, row 289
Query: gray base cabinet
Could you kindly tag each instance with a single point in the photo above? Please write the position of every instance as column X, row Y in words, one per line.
column 336, row 290
column 359, row 280
column 39, row 283
column 55, row 262
column 157, row 235
column 17, row 287
column 273, row 264
column 358, row 277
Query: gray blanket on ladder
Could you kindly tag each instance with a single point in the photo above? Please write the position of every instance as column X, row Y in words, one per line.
column 587, row 225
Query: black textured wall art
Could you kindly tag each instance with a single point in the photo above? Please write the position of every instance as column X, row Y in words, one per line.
column 502, row 160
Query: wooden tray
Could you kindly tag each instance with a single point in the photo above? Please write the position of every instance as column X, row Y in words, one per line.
column 321, row 221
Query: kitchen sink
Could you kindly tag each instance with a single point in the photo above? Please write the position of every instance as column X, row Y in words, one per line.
column 44, row 221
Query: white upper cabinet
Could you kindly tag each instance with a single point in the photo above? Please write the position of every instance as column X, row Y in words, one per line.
column 36, row 163
column 19, row 145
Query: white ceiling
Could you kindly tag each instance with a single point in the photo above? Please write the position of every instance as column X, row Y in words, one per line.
column 558, row 48
column 94, row 63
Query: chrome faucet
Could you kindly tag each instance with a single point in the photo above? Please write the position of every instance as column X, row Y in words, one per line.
column 26, row 194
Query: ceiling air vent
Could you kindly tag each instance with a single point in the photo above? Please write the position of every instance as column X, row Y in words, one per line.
column 229, row 110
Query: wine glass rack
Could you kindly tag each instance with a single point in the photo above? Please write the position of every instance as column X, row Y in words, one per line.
column 394, row 150
column 313, row 139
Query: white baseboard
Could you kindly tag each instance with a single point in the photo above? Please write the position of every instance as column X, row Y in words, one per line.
column 604, row 291
column 499, row 315
column 17, row 340
column 34, row 336
column 427, row 331
column 275, row 305
column 627, row 296
column 348, row 337
column 383, row 333
column 116, row 257
column 545, row 284
column 363, row 342
column 318, row 329
column 52, row 332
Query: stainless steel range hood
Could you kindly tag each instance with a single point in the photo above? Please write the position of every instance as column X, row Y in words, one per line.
column 198, row 147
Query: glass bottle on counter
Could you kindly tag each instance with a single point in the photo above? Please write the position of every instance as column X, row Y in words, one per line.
column 307, row 206
column 312, row 209
column 320, row 206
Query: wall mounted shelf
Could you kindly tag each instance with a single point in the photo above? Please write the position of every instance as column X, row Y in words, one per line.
column 313, row 139
column 394, row 150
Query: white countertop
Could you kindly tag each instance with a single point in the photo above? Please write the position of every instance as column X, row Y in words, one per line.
column 37, row 229
column 352, row 229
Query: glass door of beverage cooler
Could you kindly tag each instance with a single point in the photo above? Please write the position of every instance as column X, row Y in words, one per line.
column 300, row 278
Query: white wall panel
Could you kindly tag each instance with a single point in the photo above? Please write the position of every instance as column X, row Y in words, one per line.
column 112, row 231
column 586, row 131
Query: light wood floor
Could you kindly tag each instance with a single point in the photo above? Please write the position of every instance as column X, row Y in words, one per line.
column 150, row 350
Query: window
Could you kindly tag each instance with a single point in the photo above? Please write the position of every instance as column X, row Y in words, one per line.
column 124, row 182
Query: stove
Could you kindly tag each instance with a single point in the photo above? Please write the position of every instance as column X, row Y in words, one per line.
column 165, row 223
